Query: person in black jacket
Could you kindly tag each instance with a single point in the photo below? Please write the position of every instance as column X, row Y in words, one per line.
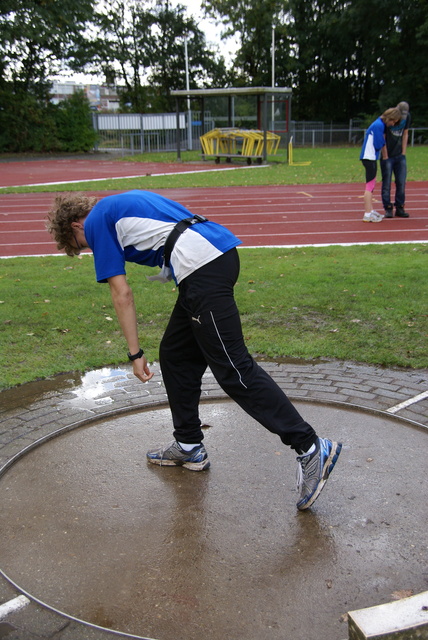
column 393, row 161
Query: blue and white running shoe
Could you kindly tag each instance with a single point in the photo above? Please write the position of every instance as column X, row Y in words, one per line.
column 173, row 455
column 314, row 469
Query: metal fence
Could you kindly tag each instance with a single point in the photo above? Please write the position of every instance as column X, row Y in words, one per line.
column 316, row 134
column 146, row 133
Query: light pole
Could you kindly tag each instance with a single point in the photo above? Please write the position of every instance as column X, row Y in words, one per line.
column 189, row 113
column 273, row 74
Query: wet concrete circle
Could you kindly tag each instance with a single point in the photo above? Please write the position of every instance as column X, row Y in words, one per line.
column 93, row 530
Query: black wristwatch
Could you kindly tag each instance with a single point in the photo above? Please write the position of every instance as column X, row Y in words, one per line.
column 136, row 355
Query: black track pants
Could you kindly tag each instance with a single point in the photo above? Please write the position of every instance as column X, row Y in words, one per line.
column 205, row 329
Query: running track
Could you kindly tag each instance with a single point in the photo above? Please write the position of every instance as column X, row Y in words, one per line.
column 60, row 170
column 290, row 215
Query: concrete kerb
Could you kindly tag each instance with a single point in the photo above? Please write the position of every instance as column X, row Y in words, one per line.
column 162, row 404
column 405, row 619
column 212, row 393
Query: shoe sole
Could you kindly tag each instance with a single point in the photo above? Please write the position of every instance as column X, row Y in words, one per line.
column 192, row 466
column 364, row 220
column 326, row 471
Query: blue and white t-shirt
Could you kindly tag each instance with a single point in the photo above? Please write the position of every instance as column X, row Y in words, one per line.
column 374, row 140
column 133, row 227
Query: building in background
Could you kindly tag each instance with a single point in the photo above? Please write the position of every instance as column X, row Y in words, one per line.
column 102, row 97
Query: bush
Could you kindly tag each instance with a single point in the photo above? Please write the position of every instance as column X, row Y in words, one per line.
column 33, row 124
column 26, row 123
column 74, row 124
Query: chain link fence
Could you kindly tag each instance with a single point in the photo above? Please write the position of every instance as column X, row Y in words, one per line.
column 146, row 133
column 317, row 134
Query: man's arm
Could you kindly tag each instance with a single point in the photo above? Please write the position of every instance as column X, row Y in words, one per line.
column 384, row 155
column 404, row 141
column 123, row 301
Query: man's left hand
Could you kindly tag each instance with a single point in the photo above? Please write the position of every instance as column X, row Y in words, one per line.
column 141, row 369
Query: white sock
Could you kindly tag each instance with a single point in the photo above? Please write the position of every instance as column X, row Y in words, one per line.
column 311, row 450
column 188, row 447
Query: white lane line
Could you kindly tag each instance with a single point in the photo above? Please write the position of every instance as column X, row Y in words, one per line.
column 13, row 605
column 144, row 175
column 407, row 403
column 243, row 247
column 365, row 232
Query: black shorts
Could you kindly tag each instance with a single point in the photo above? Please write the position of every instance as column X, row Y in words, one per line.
column 371, row 169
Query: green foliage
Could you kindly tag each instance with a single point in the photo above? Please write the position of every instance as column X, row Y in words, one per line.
column 252, row 23
column 141, row 47
column 168, row 70
column 36, row 36
column 74, row 124
column 122, row 49
column 409, row 50
column 26, row 124
column 341, row 58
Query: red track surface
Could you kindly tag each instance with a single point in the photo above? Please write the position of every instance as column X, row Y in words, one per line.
column 290, row 215
column 60, row 170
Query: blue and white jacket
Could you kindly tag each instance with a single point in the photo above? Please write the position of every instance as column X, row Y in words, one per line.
column 374, row 140
column 133, row 227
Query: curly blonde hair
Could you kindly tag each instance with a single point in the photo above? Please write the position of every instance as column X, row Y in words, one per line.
column 68, row 208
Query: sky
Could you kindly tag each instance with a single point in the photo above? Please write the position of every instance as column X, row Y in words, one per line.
column 210, row 27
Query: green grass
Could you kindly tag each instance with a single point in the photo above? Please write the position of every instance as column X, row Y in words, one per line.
column 328, row 165
column 363, row 303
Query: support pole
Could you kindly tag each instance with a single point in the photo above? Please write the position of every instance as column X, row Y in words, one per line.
column 265, row 128
column 178, row 129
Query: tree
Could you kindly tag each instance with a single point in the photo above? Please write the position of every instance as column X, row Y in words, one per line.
column 35, row 39
column 36, row 36
column 342, row 58
column 74, row 124
column 405, row 78
column 142, row 45
column 168, row 70
column 122, row 49
column 252, row 21
column 26, row 123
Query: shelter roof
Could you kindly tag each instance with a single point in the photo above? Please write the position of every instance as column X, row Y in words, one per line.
column 231, row 91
